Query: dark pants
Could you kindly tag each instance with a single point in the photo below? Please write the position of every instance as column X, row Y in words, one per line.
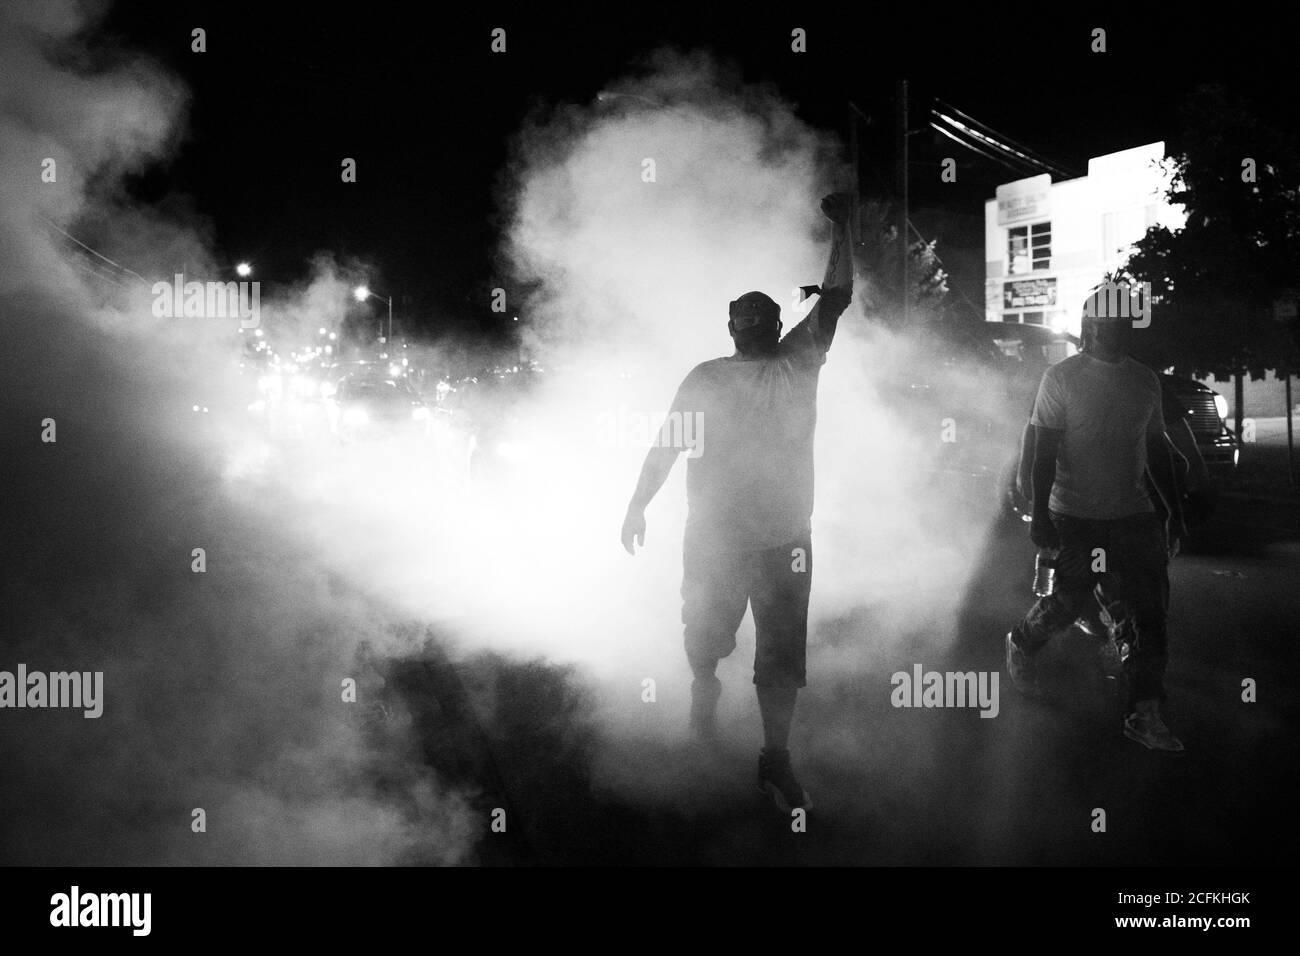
column 717, row 587
column 1136, row 571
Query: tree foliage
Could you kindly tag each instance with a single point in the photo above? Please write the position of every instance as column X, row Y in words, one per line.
column 1214, row 281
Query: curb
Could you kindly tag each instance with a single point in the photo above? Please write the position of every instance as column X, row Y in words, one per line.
column 1264, row 498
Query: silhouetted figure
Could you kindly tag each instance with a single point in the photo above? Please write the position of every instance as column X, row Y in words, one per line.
column 746, row 422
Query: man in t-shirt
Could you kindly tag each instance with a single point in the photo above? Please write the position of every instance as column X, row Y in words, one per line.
column 749, row 489
column 1098, row 431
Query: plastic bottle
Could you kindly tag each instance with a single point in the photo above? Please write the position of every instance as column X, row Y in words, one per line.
column 1045, row 571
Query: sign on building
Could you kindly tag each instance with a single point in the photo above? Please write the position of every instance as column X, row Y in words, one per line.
column 1028, row 293
column 1024, row 199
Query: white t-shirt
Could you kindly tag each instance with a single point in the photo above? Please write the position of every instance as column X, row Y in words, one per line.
column 1106, row 411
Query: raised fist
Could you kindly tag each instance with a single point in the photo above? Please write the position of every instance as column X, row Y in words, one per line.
column 836, row 207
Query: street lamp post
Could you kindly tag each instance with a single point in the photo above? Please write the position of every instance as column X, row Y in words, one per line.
column 363, row 292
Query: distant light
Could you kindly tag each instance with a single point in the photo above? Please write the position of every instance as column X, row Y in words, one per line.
column 258, row 333
column 329, row 350
column 322, row 332
column 244, row 269
column 362, row 293
column 333, row 336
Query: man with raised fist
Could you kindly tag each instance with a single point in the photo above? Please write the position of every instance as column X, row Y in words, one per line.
column 749, row 487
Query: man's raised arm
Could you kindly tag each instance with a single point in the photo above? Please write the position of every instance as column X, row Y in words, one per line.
column 837, row 283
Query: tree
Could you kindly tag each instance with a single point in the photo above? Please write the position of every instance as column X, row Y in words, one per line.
column 1214, row 281
column 878, row 255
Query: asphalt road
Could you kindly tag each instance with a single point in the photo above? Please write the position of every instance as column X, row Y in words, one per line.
column 223, row 694
column 895, row 786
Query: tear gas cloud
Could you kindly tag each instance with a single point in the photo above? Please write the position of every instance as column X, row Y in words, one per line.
column 221, row 695
column 632, row 278
column 629, row 280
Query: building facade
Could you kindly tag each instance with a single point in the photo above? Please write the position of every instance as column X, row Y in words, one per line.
column 1048, row 244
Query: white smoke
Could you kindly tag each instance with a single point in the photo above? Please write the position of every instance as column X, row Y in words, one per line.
column 631, row 278
column 222, row 690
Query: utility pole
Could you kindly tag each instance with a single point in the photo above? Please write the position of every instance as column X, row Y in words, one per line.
column 855, row 219
column 903, row 232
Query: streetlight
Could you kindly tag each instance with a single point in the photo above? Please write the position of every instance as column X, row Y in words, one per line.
column 244, row 270
column 363, row 292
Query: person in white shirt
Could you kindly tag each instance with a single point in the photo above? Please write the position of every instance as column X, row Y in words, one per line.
column 1098, row 431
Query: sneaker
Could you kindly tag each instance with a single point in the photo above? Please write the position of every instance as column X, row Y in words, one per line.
column 1112, row 654
column 1147, row 727
column 776, row 780
column 1021, row 668
column 704, row 707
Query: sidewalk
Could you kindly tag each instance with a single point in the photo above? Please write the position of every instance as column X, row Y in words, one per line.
column 1262, row 472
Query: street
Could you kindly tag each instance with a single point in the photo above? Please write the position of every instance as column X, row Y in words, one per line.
column 944, row 787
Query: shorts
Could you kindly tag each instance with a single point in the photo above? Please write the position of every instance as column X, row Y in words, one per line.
column 718, row 586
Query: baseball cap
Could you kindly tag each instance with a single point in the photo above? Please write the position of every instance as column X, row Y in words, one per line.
column 751, row 309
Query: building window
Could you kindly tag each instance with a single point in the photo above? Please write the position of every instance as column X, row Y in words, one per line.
column 1029, row 248
column 1034, row 318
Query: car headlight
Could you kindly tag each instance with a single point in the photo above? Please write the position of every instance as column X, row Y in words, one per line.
column 1220, row 405
column 355, row 416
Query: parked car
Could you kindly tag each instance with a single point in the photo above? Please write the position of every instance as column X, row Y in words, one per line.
column 1203, row 409
column 366, row 406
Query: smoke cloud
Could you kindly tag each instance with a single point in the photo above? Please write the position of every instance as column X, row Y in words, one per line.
column 222, row 689
column 632, row 221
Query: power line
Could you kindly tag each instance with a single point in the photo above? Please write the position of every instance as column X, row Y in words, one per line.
column 975, row 149
column 1065, row 172
column 117, row 265
column 989, row 141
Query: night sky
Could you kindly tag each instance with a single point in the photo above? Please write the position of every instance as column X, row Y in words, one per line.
column 418, row 99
